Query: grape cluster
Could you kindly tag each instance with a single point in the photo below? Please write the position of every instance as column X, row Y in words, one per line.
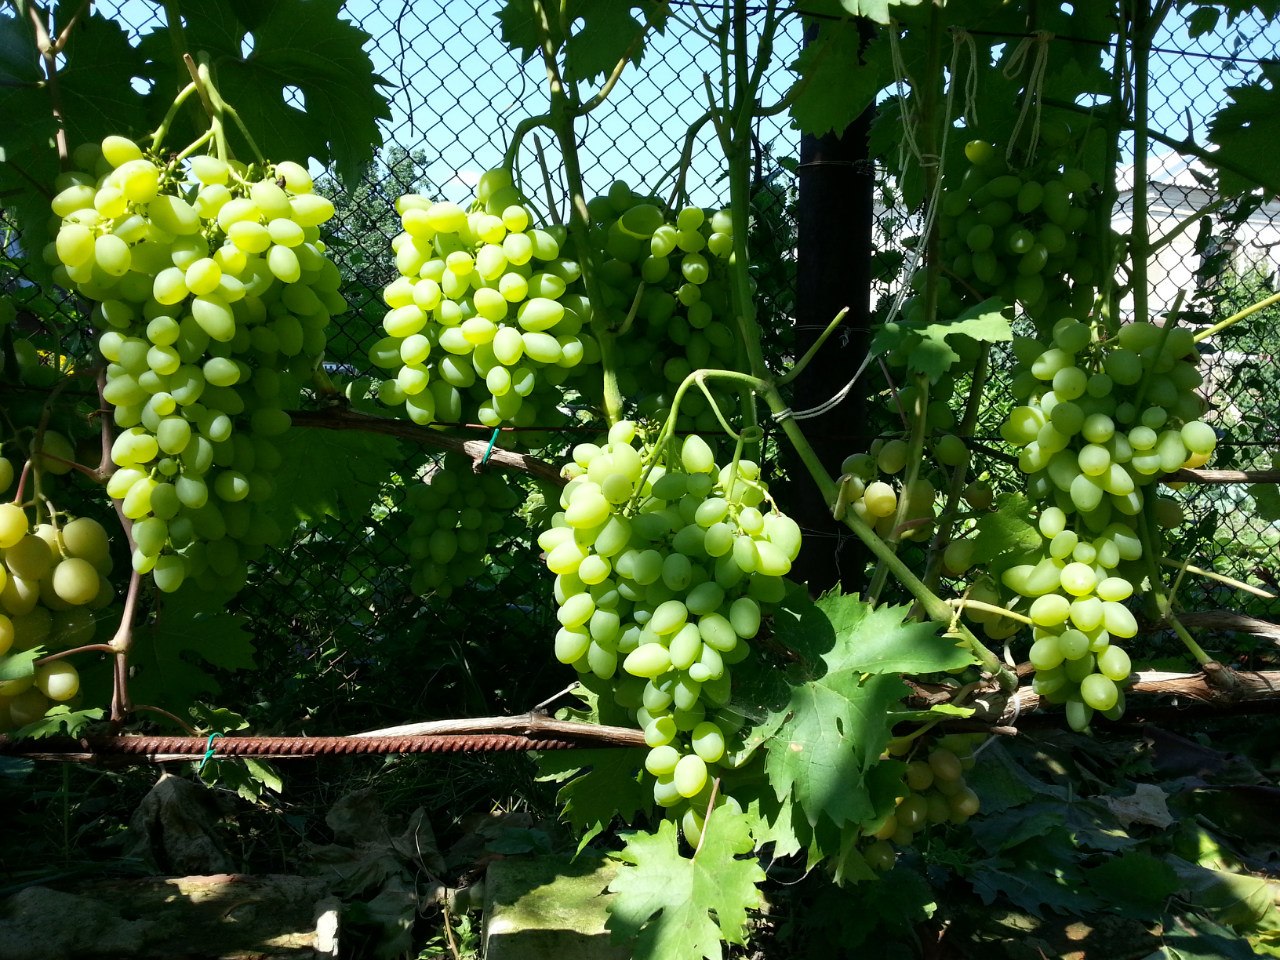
column 1023, row 232
column 212, row 292
column 1101, row 422
column 666, row 290
column 663, row 565
column 934, row 792
column 52, row 580
column 455, row 517
column 485, row 313
column 872, row 490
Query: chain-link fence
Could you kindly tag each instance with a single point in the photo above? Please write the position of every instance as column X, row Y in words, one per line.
column 340, row 589
column 456, row 94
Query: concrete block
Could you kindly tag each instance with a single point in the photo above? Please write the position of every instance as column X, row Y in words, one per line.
column 548, row 908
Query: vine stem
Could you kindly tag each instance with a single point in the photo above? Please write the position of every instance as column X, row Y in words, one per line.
column 798, row 367
column 560, row 121
column 49, row 50
column 86, row 648
column 1237, row 317
column 162, row 131
column 1183, row 567
column 947, row 520
column 1140, row 239
column 1151, row 549
column 915, row 456
column 582, row 109
column 739, row 159
column 961, row 603
column 121, row 644
column 934, row 607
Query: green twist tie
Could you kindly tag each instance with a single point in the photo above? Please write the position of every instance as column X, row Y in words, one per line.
column 489, row 449
column 208, row 753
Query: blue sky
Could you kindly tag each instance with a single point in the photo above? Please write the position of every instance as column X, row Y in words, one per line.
column 456, row 93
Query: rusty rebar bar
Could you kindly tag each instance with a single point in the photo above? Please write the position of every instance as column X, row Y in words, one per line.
column 153, row 749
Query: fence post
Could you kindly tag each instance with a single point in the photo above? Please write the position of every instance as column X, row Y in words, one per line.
column 835, row 219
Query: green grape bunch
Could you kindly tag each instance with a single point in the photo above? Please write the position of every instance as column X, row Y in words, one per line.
column 211, row 293
column 456, row 516
column 666, row 291
column 933, row 792
column 665, row 563
column 486, row 321
column 1102, row 420
column 1023, row 230
column 53, row 580
column 871, row 487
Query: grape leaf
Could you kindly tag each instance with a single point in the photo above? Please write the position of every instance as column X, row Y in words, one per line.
column 518, row 28
column 97, row 97
column 1032, row 884
column 1266, row 496
column 985, row 322
column 607, row 784
column 678, row 907
column 331, row 473
column 839, row 77
column 826, row 742
column 925, row 346
column 877, row 10
column 1232, row 898
column 609, row 32
column 302, row 45
column 1202, row 20
column 20, row 664
column 778, row 822
column 59, row 721
column 1246, row 131
column 1006, row 531
column 1270, row 9
column 880, row 639
column 190, row 631
column 1189, row 936
column 1134, row 878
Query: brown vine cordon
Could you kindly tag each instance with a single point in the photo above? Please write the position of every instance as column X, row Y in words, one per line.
column 1217, row 689
column 340, row 418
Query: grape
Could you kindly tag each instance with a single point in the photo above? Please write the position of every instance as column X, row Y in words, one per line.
column 672, row 611
column 1091, row 451
column 492, row 292
column 13, row 525
column 214, row 292
column 46, row 598
column 1098, row 692
column 59, row 681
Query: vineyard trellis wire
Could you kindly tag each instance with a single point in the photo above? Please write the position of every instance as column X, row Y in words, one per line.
column 341, row 587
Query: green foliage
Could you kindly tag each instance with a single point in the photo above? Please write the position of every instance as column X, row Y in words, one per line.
column 337, row 473
column 1246, row 131
column 95, row 97
column 925, row 345
column 296, row 43
column 601, row 784
column 684, row 907
column 59, row 721
column 1005, row 532
column 20, row 664
column 880, row 11
column 839, row 77
column 189, row 632
column 609, row 33
column 825, row 742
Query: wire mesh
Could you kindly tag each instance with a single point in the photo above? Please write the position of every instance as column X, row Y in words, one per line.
column 337, row 596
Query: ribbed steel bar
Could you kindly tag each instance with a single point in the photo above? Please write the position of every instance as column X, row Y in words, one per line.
column 148, row 749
